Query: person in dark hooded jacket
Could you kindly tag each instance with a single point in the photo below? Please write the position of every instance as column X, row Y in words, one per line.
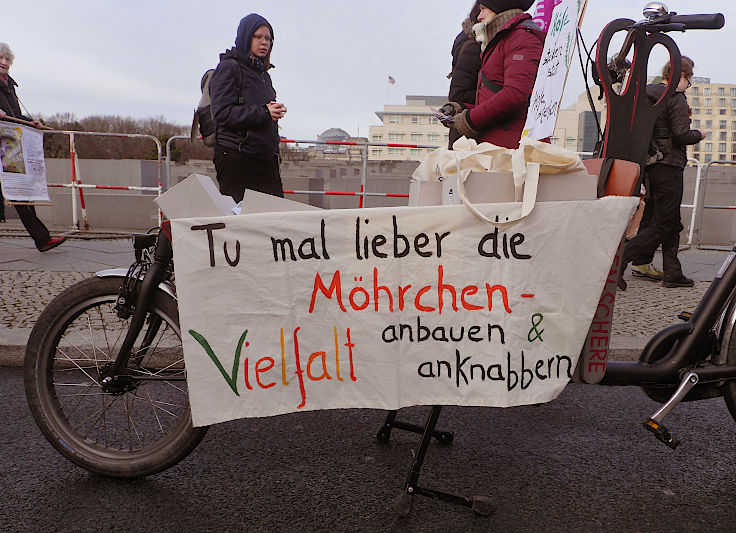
column 511, row 46
column 661, row 223
column 246, row 114
column 465, row 65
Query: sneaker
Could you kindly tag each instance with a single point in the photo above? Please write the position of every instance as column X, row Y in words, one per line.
column 621, row 283
column 680, row 281
column 52, row 243
column 647, row 271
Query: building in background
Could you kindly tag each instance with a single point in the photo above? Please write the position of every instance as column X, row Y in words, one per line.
column 576, row 128
column 713, row 111
column 413, row 123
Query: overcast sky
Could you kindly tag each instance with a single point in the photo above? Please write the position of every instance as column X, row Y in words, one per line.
column 333, row 57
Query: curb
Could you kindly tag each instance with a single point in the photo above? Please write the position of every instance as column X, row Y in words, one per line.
column 13, row 346
column 14, row 228
column 72, row 234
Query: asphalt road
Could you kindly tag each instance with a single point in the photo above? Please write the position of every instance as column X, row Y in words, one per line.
column 581, row 463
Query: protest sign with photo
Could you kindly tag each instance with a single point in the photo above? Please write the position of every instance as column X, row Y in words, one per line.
column 23, row 173
column 388, row 307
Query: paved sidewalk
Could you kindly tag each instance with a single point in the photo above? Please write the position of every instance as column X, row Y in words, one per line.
column 30, row 279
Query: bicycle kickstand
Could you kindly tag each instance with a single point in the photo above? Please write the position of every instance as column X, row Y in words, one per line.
column 480, row 505
column 384, row 434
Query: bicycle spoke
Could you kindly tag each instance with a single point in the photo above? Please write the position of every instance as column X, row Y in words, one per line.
column 67, row 408
column 73, row 361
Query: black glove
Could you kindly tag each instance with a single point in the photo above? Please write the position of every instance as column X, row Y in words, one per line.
column 451, row 108
column 447, row 113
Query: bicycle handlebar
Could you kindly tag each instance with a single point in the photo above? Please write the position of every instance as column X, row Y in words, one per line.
column 674, row 22
column 714, row 21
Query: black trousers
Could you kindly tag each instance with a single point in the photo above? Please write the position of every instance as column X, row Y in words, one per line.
column 35, row 227
column 27, row 213
column 237, row 172
column 661, row 222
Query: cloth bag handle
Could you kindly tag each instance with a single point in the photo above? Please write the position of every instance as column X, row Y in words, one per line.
column 526, row 163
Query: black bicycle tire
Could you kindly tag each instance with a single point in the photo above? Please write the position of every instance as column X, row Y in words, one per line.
column 42, row 400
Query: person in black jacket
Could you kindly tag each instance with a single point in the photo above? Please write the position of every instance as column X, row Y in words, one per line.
column 465, row 65
column 661, row 222
column 10, row 107
column 246, row 114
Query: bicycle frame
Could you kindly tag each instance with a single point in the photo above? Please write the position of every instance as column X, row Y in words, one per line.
column 629, row 127
column 676, row 348
column 112, row 377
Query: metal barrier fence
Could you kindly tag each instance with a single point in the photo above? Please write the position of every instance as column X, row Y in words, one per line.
column 364, row 156
column 78, row 187
column 362, row 194
column 704, row 207
column 694, row 205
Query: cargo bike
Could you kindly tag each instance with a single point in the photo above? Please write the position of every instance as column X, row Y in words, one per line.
column 104, row 368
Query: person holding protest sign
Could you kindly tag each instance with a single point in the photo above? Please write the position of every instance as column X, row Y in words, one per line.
column 10, row 107
column 663, row 177
column 246, row 114
column 465, row 65
column 511, row 47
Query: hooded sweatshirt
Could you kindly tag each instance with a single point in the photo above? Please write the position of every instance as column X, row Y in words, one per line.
column 465, row 65
column 240, row 88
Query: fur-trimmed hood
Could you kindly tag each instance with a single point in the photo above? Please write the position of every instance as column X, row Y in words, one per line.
column 467, row 25
column 486, row 30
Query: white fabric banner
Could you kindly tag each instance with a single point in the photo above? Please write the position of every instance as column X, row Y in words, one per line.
column 388, row 307
column 23, row 172
column 559, row 47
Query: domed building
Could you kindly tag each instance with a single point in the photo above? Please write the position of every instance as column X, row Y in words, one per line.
column 333, row 135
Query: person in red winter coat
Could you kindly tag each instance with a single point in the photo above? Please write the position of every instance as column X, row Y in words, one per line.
column 511, row 47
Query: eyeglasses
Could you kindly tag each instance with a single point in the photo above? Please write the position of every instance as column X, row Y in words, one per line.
column 689, row 81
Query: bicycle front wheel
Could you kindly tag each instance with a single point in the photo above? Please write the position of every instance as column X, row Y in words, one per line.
column 139, row 431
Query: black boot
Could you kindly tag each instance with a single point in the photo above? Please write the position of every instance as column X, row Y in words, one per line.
column 679, row 281
column 673, row 276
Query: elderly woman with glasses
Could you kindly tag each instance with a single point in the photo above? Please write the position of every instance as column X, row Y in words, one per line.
column 10, row 107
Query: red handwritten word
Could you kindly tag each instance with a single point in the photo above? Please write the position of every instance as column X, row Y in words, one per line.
column 359, row 298
column 316, row 359
column 317, row 366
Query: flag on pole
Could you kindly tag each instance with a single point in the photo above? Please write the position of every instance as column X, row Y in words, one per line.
column 391, row 80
